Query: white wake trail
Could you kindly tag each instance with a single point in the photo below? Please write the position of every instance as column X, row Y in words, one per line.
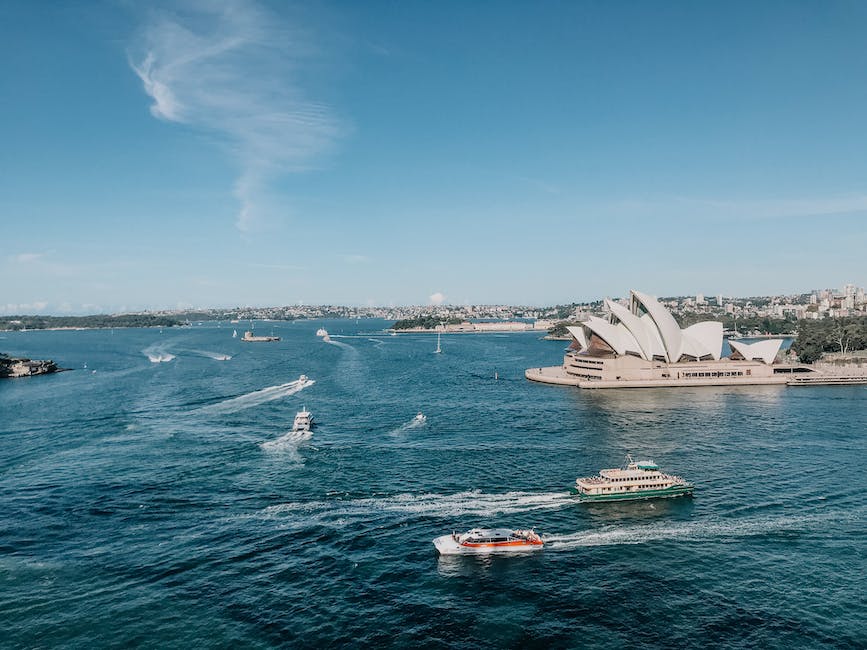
column 216, row 356
column 258, row 397
column 415, row 423
column 472, row 503
column 287, row 444
column 157, row 353
column 697, row 531
column 339, row 344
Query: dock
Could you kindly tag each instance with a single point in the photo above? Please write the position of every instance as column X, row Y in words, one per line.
column 829, row 380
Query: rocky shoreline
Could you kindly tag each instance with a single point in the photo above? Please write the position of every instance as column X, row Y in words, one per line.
column 12, row 368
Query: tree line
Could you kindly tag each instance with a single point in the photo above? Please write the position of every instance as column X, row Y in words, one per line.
column 841, row 335
column 86, row 322
column 424, row 321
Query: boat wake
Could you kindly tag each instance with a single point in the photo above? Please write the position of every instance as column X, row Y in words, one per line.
column 157, row 354
column 415, row 423
column 216, row 356
column 339, row 344
column 258, row 397
column 698, row 531
column 472, row 503
column 287, row 444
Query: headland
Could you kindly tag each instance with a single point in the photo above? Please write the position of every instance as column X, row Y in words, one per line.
column 20, row 367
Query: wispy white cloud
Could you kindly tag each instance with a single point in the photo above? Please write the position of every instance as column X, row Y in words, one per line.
column 235, row 70
column 540, row 185
column 716, row 209
column 356, row 259
column 790, row 208
column 278, row 267
column 27, row 258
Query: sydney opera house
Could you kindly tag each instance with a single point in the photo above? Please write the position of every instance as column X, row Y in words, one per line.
column 641, row 344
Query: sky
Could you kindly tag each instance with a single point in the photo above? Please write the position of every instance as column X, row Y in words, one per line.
column 214, row 154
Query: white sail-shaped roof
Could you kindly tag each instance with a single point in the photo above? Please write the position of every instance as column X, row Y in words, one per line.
column 707, row 336
column 658, row 347
column 669, row 330
column 617, row 337
column 642, row 331
column 762, row 350
column 578, row 333
column 648, row 330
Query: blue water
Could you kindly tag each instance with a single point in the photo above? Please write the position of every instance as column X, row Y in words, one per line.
column 162, row 503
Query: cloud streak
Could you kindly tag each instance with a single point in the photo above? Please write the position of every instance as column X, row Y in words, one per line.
column 27, row 258
column 236, row 71
column 356, row 259
column 749, row 210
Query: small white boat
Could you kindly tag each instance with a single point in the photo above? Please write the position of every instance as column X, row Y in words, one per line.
column 421, row 418
column 234, row 334
column 303, row 379
column 324, row 334
column 488, row 540
column 303, row 420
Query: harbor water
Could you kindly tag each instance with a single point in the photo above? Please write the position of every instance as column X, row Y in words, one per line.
column 155, row 496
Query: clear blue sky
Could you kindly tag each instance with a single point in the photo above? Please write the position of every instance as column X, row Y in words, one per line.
column 207, row 154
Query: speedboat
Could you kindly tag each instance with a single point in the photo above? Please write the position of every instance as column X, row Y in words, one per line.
column 421, row 418
column 303, row 378
column 303, row 420
column 638, row 480
column 488, row 540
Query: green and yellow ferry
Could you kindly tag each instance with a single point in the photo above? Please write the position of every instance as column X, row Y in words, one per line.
column 638, row 480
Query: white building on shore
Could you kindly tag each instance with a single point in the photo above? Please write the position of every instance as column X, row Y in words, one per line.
column 642, row 345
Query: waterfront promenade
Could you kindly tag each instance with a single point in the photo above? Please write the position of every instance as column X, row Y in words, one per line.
column 558, row 375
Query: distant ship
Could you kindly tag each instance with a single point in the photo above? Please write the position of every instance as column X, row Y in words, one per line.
column 249, row 338
column 324, row 334
column 234, row 334
column 638, row 480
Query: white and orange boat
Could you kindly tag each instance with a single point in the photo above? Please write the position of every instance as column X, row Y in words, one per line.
column 488, row 540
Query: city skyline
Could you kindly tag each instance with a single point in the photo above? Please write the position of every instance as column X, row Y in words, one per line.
column 190, row 155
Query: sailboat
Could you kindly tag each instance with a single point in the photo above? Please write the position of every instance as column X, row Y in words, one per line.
column 439, row 349
column 234, row 334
